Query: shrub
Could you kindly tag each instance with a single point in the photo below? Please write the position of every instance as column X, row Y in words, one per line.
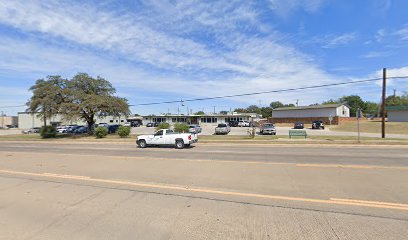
column 163, row 126
column 48, row 132
column 123, row 131
column 101, row 132
column 181, row 127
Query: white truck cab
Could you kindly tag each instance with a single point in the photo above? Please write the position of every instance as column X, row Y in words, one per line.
column 167, row 137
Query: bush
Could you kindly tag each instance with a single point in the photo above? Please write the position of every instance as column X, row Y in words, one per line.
column 101, row 132
column 163, row 126
column 123, row 131
column 48, row 132
column 181, row 127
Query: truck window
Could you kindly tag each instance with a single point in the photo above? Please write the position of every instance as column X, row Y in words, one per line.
column 159, row 133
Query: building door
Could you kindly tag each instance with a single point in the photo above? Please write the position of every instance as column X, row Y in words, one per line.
column 194, row 120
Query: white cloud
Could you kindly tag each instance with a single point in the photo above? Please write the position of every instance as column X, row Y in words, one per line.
column 336, row 41
column 377, row 54
column 380, row 35
column 403, row 33
column 285, row 7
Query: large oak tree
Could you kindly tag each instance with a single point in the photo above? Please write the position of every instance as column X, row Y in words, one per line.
column 89, row 97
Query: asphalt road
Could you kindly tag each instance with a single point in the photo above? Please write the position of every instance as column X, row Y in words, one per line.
column 117, row 191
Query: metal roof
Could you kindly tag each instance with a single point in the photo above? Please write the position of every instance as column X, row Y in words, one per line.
column 310, row 107
column 396, row 108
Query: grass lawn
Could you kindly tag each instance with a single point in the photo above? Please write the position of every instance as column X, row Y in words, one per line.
column 373, row 127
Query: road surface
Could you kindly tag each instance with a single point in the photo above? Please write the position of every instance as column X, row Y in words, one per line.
column 116, row 191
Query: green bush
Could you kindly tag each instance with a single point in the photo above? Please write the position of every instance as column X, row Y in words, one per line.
column 163, row 126
column 123, row 131
column 181, row 127
column 48, row 132
column 101, row 132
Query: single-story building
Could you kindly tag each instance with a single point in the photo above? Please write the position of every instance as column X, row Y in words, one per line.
column 397, row 113
column 29, row 120
column 7, row 121
column 209, row 119
column 307, row 114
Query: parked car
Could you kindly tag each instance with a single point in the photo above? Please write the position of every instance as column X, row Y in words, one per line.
column 243, row 124
column 299, row 125
column 194, row 129
column 135, row 124
column 113, row 128
column 103, row 125
column 318, row 125
column 127, row 124
column 167, row 137
column 222, row 128
column 62, row 129
column 268, row 128
column 81, row 130
column 32, row 130
column 150, row 124
column 233, row 123
column 71, row 128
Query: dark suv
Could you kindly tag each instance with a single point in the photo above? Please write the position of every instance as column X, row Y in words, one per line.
column 317, row 125
column 299, row 125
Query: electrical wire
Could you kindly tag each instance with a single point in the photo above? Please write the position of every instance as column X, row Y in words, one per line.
column 265, row 92
column 253, row 93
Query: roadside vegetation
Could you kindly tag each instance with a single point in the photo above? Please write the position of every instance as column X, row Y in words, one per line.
column 163, row 126
column 123, row 131
column 101, row 132
column 180, row 128
column 82, row 97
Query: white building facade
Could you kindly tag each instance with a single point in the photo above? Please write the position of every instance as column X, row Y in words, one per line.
column 329, row 110
column 207, row 119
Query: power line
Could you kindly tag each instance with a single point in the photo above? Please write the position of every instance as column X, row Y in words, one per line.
column 265, row 92
column 253, row 93
column 13, row 106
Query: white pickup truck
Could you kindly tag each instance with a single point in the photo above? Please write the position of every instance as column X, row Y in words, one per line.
column 167, row 137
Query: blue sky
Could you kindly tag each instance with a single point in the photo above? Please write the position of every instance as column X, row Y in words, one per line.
column 158, row 50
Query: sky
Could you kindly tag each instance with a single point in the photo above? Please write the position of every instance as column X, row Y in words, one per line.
column 170, row 50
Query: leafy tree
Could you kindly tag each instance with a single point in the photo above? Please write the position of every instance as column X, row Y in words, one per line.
column 266, row 112
column 253, row 109
column 371, row 108
column 47, row 97
column 276, row 104
column 199, row 113
column 224, row 112
column 289, row 105
column 180, row 127
column 163, row 126
column 396, row 100
column 330, row 101
column 89, row 97
column 240, row 110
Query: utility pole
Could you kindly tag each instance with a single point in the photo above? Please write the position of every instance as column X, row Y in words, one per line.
column 384, row 87
column 2, row 119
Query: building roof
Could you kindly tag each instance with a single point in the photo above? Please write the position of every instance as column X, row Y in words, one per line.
column 396, row 108
column 310, row 107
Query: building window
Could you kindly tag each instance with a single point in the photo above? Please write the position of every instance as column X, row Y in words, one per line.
column 122, row 120
column 209, row 120
column 111, row 121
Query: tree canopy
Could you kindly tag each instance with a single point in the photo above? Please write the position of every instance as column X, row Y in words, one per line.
column 82, row 97
column 48, row 95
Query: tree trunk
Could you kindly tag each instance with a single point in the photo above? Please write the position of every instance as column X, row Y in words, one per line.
column 45, row 119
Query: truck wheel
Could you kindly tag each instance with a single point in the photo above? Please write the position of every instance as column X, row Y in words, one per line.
column 142, row 143
column 179, row 144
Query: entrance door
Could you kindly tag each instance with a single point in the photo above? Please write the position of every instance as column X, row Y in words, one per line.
column 194, row 120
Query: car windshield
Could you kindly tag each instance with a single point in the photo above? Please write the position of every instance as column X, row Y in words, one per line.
column 222, row 125
column 268, row 125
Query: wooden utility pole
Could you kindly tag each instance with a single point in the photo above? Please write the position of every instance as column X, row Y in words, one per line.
column 384, row 87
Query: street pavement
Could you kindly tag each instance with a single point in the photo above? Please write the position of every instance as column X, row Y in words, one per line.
column 210, row 191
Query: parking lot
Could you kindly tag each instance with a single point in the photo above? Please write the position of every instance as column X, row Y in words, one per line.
column 280, row 130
